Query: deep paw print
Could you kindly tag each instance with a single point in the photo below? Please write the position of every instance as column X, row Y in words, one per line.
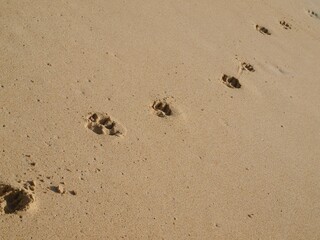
column 13, row 200
column 161, row 108
column 247, row 67
column 285, row 25
column 262, row 30
column 101, row 123
column 230, row 81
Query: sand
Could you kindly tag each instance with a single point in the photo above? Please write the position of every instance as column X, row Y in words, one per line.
column 159, row 119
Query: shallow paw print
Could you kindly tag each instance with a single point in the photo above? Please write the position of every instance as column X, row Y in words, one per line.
column 313, row 14
column 247, row 67
column 285, row 25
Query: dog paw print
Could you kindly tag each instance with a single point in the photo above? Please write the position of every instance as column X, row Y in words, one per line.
column 262, row 30
column 313, row 14
column 247, row 67
column 13, row 200
column 161, row 108
column 285, row 25
column 101, row 123
column 230, row 81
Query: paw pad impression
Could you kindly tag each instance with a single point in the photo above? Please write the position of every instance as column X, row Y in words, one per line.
column 13, row 200
column 161, row 108
column 101, row 123
column 230, row 81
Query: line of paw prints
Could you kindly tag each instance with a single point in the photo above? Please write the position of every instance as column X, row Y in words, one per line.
column 286, row 25
column 101, row 123
column 234, row 82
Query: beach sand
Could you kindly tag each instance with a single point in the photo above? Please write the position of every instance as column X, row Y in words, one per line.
column 159, row 119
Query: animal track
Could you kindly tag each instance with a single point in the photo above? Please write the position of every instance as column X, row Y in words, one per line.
column 13, row 200
column 285, row 25
column 101, row 123
column 247, row 66
column 230, row 81
column 313, row 14
column 29, row 185
column 263, row 30
column 161, row 108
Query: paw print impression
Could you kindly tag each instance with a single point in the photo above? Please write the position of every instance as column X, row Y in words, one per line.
column 13, row 200
column 285, row 25
column 161, row 108
column 247, row 67
column 262, row 30
column 230, row 81
column 313, row 14
column 101, row 123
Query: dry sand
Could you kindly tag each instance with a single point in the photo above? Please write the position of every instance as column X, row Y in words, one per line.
column 230, row 150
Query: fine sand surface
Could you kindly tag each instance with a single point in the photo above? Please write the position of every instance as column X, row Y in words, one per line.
column 159, row 119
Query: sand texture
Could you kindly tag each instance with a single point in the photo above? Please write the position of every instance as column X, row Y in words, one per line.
column 148, row 119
